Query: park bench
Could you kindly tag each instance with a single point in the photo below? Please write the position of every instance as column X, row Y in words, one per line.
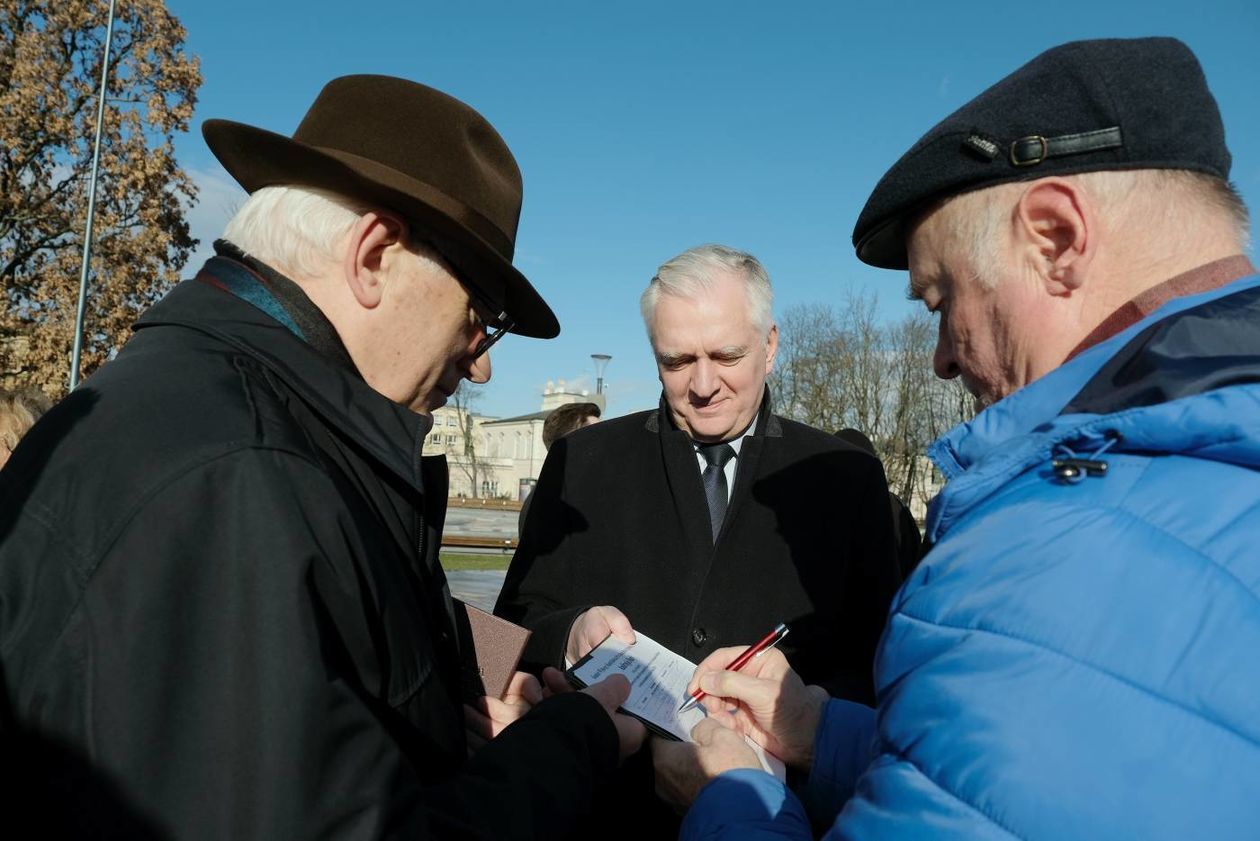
column 465, row 541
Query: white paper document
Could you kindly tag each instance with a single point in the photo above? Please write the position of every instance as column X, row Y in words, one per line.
column 658, row 686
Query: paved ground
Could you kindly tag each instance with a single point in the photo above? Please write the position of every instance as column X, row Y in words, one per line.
column 480, row 522
column 478, row 587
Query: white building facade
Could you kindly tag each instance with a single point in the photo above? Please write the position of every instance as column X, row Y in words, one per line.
column 505, row 455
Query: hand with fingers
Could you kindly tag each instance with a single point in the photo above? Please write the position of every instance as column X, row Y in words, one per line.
column 592, row 626
column 612, row 692
column 766, row 701
column 487, row 717
column 683, row 768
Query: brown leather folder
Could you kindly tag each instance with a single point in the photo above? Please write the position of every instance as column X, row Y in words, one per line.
column 490, row 647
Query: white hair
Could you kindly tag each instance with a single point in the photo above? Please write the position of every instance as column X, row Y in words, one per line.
column 694, row 272
column 1169, row 202
column 298, row 229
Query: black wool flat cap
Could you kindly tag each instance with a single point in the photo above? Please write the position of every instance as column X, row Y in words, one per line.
column 1080, row 107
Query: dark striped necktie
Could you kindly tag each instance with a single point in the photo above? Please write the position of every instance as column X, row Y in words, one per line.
column 715, row 488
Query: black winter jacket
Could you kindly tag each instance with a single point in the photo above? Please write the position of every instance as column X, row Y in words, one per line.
column 222, row 615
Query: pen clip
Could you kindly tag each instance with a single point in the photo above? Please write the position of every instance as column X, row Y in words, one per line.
column 780, row 633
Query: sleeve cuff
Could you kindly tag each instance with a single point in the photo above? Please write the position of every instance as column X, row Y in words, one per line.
column 741, row 802
column 842, row 751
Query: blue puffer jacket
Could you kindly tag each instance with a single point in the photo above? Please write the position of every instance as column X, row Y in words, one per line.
column 1074, row 659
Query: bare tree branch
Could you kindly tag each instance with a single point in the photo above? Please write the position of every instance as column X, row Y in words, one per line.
column 841, row 368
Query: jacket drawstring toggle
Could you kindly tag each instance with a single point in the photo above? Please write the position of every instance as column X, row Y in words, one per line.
column 1071, row 468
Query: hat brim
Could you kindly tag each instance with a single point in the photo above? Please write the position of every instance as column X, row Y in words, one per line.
column 884, row 247
column 258, row 158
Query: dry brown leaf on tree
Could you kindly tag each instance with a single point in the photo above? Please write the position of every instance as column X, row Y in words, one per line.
column 50, row 68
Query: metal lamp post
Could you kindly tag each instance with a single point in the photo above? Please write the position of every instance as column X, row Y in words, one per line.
column 601, row 362
column 91, row 208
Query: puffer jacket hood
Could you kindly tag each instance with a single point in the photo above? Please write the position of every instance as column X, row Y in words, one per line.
column 1204, row 350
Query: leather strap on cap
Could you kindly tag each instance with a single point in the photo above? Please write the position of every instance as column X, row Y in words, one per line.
column 1032, row 150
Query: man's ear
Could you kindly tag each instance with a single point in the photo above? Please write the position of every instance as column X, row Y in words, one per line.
column 367, row 255
column 772, row 347
column 1055, row 219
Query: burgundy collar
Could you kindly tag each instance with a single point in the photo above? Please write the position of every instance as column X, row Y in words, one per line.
column 1213, row 275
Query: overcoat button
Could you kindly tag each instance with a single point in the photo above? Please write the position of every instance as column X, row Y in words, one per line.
column 698, row 636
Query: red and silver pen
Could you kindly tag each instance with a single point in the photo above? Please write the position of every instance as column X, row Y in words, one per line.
column 767, row 642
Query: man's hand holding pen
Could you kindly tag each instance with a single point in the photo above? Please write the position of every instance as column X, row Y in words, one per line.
column 766, row 701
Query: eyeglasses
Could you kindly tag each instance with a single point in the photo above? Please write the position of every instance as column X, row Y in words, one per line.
column 493, row 325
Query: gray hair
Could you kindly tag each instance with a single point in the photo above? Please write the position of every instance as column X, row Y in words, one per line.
column 298, row 229
column 1154, row 198
column 694, row 271
column 293, row 228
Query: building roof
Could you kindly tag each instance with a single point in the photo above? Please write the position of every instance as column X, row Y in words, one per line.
column 530, row 417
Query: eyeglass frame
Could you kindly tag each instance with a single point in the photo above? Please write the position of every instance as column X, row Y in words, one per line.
column 481, row 304
column 500, row 323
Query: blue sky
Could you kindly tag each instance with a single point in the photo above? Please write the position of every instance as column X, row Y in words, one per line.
column 643, row 129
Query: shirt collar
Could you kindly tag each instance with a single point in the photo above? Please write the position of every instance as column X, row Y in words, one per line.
column 738, row 440
column 1204, row 278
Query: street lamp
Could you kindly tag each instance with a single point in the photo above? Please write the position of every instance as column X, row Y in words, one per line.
column 601, row 362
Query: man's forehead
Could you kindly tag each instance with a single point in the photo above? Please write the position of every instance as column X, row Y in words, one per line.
column 713, row 338
column 722, row 302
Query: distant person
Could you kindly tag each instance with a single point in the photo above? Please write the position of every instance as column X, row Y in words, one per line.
column 909, row 538
column 1075, row 658
column 563, row 419
column 18, row 412
column 710, row 519
column 566, row 418
column 223, row 609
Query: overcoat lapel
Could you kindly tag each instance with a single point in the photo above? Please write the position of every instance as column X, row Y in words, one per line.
column 746, row 466
column 686, row 491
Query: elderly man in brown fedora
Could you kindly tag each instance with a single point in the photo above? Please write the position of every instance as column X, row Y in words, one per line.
column 221, row 609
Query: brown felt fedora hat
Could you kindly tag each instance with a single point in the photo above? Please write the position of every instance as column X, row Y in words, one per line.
column 415, row 151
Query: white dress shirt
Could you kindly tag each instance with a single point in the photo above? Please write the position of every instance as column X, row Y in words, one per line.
column 729, row 467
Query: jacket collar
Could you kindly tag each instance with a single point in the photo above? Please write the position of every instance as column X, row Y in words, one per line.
column 295, row 310
column 392, row 434
column 1184, row 379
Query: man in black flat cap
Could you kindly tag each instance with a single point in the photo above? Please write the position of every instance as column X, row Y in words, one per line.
column 1075, row 656
column 223, row 612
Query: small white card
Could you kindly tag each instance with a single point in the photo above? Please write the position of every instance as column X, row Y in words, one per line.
column 658, row 686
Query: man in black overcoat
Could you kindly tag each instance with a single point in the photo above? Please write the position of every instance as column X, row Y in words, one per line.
column 221, row 609
column 708, row 521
